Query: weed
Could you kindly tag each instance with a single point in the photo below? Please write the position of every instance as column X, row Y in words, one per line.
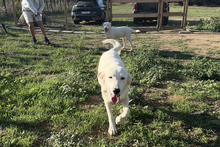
column 80, row 42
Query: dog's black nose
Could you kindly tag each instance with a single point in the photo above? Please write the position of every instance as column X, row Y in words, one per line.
column 116, row 91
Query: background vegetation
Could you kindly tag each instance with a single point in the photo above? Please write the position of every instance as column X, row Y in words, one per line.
column 204, row 2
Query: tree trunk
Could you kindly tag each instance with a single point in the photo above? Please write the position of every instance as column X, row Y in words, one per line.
column 51, row 5
column 4, row 6
column 61, row 5
column 68, row 4
column 65, row 6
column 54, row 3
column 47, row 4
column 57, row 4
column 14, row 13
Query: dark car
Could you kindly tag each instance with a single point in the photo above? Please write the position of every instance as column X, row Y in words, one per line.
column 145, row 8
column 87, row 10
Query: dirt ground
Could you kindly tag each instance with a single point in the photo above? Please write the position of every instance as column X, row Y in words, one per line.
column 203, row 43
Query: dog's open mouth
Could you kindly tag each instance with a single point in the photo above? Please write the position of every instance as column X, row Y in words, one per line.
column 115, row 98
column 106, row 29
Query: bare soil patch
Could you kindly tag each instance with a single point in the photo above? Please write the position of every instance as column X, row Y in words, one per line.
column 200, row 43
column 204, row 43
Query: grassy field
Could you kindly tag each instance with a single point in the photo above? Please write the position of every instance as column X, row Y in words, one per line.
column 50, row 96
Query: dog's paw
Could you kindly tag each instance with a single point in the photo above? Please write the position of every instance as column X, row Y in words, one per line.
column 118, row 120
column 112, row 131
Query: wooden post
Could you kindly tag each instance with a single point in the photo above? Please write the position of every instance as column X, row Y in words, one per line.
column 185, row 11
column 66, row 15
column 111, row 11
column 107, row 8
column 182, row 22
column 160, row 17
column 14, row 13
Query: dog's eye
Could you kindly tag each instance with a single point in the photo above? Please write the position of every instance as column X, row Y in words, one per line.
column 110, row 77
column 122, row 78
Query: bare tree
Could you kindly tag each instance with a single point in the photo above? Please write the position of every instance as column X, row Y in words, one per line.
column 61, row 5
column 46, row 4
column 4, row 6
column 51, row 5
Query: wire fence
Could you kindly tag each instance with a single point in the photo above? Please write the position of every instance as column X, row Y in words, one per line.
column 6, row 7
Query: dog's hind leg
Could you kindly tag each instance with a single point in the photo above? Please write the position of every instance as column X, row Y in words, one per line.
column 125, row 113
column 109, row 46
column 130, row 41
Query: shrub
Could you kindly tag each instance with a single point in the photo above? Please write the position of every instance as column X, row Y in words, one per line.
column 203, row 2
column 213, row 24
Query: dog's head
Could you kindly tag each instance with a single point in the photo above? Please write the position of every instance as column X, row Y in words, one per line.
column 116, row 82
column 106, row 26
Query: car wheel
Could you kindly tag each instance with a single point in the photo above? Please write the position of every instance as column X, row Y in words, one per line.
column 76, row 21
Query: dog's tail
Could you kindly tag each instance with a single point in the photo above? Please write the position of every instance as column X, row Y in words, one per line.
column 116, row 44
column 135, row 31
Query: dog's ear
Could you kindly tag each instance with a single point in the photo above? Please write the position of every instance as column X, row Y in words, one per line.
column 101, row 75
column 129, row 79
column 104, row 23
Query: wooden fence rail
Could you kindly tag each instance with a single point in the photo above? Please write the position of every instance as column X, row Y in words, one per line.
column 159, row 15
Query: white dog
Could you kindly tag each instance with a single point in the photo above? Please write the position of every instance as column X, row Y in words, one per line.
column 119, row 32
column 114, row 81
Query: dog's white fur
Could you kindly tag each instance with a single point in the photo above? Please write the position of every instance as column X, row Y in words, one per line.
column 119, row 32
column 114, row 81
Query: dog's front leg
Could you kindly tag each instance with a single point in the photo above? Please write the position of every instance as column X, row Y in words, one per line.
column 126, row 111
column 112, row 128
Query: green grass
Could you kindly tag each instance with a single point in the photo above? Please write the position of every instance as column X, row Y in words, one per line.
column 50, row 96
column 197, row 12
column 194, row 12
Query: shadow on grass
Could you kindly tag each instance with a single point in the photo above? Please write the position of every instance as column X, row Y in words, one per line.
column 191, row 121
column 176, row 55
column 182, row 55
column 42, row 128
column 12, row 34
column 195, row 120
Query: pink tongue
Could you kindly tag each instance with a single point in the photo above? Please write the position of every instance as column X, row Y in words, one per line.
column 114, row 99
column 106, row 29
